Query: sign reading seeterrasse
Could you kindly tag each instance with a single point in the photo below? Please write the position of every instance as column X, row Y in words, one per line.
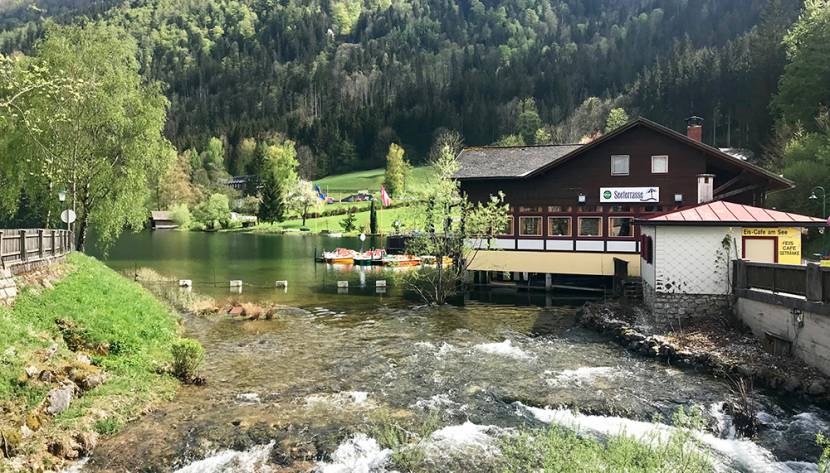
column 629, row 194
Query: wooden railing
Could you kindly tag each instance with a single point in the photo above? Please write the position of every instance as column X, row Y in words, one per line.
column 20, row 246
column 810, row 283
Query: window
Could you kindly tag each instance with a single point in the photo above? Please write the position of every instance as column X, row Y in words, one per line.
column 659, row 164
column 559, row 226
column 619, row 165
column 559, row 209
column 530, row 210
column 508, row 227
column 653, row 208
column 590, row 209
column 590, row 226
column 620, row 209
column 530, row 226
column 621, row 227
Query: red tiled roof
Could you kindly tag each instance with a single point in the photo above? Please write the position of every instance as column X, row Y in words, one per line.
column 728, row 213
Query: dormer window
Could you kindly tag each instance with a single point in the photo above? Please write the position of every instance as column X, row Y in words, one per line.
column 619, row 165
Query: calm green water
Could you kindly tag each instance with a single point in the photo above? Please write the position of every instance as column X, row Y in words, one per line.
column 211, row 260
column 330, row 362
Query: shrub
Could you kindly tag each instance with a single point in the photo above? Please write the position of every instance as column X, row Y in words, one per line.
column 188, row 355
column 107, row 427
column 213, row 211
column 824, row 461
column 180, row 214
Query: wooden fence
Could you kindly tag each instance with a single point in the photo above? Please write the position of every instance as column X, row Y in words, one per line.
column 811, row 282
column 22, row 246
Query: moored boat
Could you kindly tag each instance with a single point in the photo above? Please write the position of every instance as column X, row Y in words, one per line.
column 401, row 260
column 340, row 256
column 370, row 257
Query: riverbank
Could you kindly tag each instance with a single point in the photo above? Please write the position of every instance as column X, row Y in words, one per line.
column 714, row 344
column 85, row 351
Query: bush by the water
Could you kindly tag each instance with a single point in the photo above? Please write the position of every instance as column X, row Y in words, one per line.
column 188, row 355
column 824, row 461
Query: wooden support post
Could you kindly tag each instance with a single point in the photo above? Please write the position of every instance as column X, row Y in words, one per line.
column 548, row 282
column 814, row 290
column 40, row 243
column 54, row 241
column 23, row 245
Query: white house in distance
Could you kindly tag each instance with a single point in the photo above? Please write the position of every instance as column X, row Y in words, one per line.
column 686, row 254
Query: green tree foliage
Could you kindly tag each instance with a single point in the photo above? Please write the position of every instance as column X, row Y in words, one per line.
column 176, row 187
column 373, row 219
column 213, row 213
column 213, row 161
column 806, row 161
column 245, row 156
column 334, row 75
column 180, row 214
column 303, row 198
column 349, row 222
column 103, row 141
column 395, row 177
column 616, row 118
column 278, row 176
column 447, row 221
column 805, row 84
column 528, row 121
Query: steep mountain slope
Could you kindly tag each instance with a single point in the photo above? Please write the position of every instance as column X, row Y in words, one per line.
column 346, row 77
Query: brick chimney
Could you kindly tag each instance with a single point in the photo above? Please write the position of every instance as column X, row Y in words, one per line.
column 694, row 128
column 705, row 188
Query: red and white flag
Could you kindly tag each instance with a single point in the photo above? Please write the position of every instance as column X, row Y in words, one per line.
column 385, row 200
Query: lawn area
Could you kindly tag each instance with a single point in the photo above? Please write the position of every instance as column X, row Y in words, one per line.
column 341, row 185
column 386, row 217
column 126, row 332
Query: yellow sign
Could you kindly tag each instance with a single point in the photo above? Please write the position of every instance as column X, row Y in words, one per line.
column 788, row 242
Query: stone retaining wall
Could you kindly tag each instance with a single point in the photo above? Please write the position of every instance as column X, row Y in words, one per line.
column 8, row 288
column 668, row 306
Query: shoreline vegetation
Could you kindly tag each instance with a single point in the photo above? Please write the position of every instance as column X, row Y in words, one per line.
column 85, row 351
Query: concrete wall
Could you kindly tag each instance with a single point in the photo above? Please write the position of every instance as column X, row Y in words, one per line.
column 810, row 339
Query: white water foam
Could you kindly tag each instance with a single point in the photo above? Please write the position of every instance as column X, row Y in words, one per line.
column 229, row 461
column 340, row 399
column 248, row 398
column 741, row 454
column 504, row 348
column 359, row 454
column 580, row 376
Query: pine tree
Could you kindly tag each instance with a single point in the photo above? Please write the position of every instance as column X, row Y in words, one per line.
column 373, row 219
column 272, row 208
column 348, row 223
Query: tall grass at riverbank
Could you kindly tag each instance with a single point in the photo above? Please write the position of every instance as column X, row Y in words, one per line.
column 126, row 331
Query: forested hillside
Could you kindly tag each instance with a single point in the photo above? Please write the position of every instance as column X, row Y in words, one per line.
column 345, row 78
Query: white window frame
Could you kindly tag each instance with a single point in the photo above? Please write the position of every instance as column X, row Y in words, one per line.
column 660, row 156
column 615, row 157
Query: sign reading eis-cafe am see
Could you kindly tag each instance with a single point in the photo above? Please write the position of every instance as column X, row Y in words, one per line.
column 629, row 194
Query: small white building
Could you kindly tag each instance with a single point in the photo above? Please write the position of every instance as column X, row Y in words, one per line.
column 686, row 255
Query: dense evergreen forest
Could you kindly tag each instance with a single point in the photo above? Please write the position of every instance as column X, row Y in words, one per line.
column 345, row 78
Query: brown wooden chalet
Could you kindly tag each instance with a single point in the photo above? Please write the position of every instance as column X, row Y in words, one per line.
column 583, row 199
